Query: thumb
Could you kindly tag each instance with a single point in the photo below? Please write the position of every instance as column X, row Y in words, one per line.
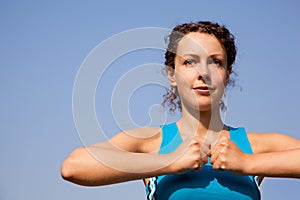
column 205, row 147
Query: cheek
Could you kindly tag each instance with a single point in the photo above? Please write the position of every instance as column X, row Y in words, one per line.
column 184, row 78
column 220, row 78
column 220, row 82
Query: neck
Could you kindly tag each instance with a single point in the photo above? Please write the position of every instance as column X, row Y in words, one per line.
column 204, row 124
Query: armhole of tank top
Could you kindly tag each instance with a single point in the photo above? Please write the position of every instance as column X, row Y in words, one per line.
column 239, row 136
column 166, row 137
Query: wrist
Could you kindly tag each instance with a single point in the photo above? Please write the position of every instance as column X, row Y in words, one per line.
column 169, row 164
column 249, row 164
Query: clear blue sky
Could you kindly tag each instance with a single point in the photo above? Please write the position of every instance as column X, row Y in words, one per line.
column 43, row 44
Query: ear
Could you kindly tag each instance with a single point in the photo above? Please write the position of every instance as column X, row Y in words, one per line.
column 229, row 71
column 171, row 77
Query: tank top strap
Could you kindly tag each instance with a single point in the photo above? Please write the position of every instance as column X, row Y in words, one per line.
column 239, row 136
column 171, row 138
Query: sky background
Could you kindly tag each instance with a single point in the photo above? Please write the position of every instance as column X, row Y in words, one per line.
column 44, row 43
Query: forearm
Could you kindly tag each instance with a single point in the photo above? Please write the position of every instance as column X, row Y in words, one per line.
column 275, row 164
column 95, row 166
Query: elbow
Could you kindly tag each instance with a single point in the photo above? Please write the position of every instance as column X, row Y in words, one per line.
column 69, row 168
column 79, row 168
column 67, row 171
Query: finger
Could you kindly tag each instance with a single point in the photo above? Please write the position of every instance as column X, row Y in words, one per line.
column 218, row 152
column 214, row 153
column 221, row 168
column 214, row 156
column 196, row 140
column 204, row 159
column 189, row 141
column 205, row 147
column 219, row 164
column 198, row 168
column 209, row 153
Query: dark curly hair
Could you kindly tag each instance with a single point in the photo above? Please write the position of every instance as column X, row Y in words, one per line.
column 219, row 31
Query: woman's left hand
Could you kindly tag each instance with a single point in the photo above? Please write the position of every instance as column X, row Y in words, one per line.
column 226, row 155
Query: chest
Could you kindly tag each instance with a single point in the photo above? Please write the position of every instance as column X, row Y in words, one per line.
column 206, row 184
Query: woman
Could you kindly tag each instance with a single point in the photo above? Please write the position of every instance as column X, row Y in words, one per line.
column 198, row 157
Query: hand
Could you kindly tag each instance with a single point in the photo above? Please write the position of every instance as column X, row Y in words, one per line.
column 226, row 155
column 191, row 155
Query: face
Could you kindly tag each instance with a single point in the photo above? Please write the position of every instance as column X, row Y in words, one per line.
column 200, row 72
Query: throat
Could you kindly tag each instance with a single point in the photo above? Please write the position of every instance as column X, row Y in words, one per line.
column 207, row 130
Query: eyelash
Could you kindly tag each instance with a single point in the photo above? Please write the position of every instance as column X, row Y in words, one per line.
column 192, row 62
column 217, row 62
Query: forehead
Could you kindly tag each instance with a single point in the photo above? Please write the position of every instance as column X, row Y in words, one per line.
column 199, row 43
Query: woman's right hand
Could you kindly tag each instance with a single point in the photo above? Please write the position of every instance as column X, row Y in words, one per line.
column 191, row 155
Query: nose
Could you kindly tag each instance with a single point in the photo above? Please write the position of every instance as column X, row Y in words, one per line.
column 203, row 72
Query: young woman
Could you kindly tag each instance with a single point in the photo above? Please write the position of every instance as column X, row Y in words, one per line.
column 198, row 157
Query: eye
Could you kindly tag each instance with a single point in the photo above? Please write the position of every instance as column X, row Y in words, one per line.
column 189, row 62
column 215, row 61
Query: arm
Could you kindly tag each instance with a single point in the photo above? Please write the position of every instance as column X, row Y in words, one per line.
column 275, row 155
column 126, row 158
column 99, row 165
column 275, row 164
column 109, row 162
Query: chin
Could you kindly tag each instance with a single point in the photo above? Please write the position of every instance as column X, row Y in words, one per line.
column 202, row 107
column 205, row 108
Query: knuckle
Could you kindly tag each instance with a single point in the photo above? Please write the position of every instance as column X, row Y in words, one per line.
column 222, row 150
column 223, row 159
column 225, row 143
column 195, row 141
column 196, row 149
column 196, row 165
column 215, row 166
column 197, row 159
column 192, row 149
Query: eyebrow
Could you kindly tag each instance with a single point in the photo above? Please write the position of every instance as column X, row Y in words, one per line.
column 218, row 54
column 196, row 55
column 190, row 54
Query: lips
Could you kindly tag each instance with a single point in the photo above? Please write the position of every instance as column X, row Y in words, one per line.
column 203, row 89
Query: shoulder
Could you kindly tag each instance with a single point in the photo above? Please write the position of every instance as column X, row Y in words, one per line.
column 142, row 140
column 270, row 142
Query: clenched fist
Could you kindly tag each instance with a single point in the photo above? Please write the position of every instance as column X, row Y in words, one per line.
column 191, row 155
column 226, row 155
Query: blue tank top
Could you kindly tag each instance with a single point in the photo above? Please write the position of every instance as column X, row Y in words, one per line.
column 208, row 184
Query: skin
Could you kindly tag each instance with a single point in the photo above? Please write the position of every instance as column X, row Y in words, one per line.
column 132, row 154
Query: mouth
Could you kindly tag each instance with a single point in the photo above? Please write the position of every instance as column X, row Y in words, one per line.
column 204, row 90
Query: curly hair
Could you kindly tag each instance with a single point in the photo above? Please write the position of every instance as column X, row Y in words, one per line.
column 171, row 98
